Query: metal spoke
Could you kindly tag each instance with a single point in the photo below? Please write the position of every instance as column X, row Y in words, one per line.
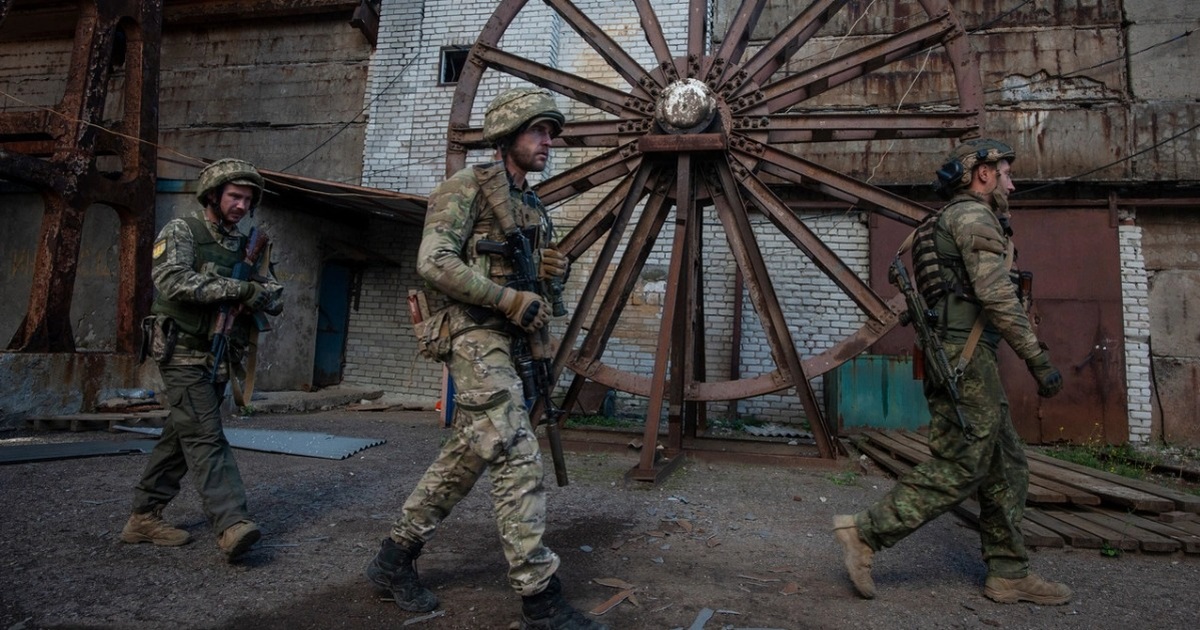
column 697, row 36
column 585, row 133
column 610, row 50
column 771, row 57
column 740, row 236
column 802, row 86
column 812, row 246
column 654, row 36
column 591, row 173
column 830, row 182
column 599, row 220
column 583, row 90
column 736, row 39
column 824, row 127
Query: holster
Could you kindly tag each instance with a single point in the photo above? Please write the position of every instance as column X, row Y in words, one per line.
column 159, row 336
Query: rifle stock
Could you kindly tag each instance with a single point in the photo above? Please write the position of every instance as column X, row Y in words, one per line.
column 936, row 361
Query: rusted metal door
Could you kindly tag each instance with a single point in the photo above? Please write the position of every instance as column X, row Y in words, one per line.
column 1075, row 258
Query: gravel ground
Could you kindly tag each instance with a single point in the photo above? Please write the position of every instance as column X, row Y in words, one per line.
column 750, row 543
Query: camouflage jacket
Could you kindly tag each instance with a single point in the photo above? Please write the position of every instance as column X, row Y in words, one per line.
column 179, row 277
column 970, row 237
column 460, row 216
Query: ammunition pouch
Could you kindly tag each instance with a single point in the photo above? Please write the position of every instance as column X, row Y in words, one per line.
column 159, row 337
column 433, row 336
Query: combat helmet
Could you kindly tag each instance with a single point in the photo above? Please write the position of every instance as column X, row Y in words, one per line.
column 956, row 172
column 509, row 112
column 229, row 171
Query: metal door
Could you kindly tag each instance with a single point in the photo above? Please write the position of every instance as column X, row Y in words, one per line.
column 333, row 318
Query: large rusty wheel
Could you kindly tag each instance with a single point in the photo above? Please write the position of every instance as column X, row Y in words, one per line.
column 720, row 132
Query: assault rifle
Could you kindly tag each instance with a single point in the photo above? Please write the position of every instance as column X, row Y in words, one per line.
column 230, row 311
column 531, row 352
column 920, row 316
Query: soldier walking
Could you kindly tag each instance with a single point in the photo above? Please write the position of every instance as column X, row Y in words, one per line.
column 194, row 258
column 473, row 321
column 962, row 257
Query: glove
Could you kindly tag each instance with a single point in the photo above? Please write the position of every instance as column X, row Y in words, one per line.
column 554, row 264
column 524, row 308
column 254, row 296
column 1048, row 377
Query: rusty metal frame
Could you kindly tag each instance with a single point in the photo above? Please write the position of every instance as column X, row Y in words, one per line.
column 730, row 165
column 62, row 166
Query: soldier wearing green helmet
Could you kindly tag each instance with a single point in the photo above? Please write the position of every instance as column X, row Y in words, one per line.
column 471, row 325
column 193, row 260
column 962, row 258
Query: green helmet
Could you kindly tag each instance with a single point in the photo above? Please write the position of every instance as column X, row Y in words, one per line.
column 229, row 171
column 513, row 109
column 956, row 172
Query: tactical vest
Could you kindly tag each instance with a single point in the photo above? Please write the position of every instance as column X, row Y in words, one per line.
column 195, row 321
column 494, row 195
column 936, row 273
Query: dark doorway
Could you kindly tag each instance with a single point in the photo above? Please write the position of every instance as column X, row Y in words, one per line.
column 333, row 318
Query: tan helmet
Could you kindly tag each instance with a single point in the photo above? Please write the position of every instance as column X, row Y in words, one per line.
column 513, row 109
column 229, row 171
column 956, row 172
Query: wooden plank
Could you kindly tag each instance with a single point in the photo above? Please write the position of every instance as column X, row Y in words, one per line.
column 895, row 447
column 1074, row 536
column 1108, row 536
column 1183, row 501
column 1190, row 542
column 1109, row 492
column 1146, row 539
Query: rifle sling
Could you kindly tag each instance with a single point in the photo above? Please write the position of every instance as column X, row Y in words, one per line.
column 243, row 392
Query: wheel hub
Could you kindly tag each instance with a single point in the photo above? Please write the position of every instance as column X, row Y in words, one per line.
column 685, row 106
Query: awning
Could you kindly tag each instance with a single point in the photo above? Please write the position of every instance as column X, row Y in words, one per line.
column 320, row 196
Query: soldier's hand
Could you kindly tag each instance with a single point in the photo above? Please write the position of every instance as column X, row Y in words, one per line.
column 554, row 264
column 524, row 308
column 1048, row 377
column 254, row 296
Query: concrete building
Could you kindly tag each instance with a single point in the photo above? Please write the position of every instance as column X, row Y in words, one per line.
column 1093, row 95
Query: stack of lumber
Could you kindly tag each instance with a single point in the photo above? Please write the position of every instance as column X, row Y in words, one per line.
column 1071, row 504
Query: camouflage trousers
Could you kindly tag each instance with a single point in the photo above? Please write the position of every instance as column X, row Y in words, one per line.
column 990, row 466
column 193, row 440
column 491, row 432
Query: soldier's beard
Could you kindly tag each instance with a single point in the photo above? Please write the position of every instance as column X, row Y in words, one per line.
column 999, row 202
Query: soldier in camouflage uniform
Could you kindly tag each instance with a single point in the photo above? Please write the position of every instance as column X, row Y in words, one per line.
column 970, row 247
column 193, row 261
column 473, row 322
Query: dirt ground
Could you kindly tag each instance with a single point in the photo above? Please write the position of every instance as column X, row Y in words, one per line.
column 750, row 543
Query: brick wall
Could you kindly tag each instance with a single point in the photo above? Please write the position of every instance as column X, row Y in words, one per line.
column 1136, row 298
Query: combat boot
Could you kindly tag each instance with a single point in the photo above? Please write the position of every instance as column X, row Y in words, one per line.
column 238, row 538
column 392, row 571
column 150, row 527
column 856, row 554
column 549, row 611
column 1031, row 588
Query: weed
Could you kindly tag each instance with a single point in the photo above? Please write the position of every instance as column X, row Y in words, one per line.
column 1109, row 551
column 844, row 479
column 603, row 421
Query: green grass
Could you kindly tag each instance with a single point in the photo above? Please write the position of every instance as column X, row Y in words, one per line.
column 844, row 479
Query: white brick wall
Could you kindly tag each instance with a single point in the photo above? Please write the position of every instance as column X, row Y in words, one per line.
column 1136, row 306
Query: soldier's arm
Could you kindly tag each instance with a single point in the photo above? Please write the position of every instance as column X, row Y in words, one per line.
column 979, row 238
column 448, row 229
column 174, row 272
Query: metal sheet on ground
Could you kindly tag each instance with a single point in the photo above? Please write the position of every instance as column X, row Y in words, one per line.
column 303, row 443
column 24, row 453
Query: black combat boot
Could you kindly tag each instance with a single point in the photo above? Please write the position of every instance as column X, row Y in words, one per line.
column 549, row 611
column 392, row 571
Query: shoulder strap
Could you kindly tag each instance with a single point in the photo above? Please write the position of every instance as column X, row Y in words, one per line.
column 493, row 186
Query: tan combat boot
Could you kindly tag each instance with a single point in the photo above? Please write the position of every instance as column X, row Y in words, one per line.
column 238, row 538
column 150, row 527
column 1031, row 588
column 856, row 554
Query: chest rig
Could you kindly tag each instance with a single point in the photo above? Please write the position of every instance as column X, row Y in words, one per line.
column 502, row 208
column 195, row 321
column 937, row 274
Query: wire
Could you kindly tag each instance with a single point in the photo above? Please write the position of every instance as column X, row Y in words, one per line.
column 1113, row 163
column 356, row 116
